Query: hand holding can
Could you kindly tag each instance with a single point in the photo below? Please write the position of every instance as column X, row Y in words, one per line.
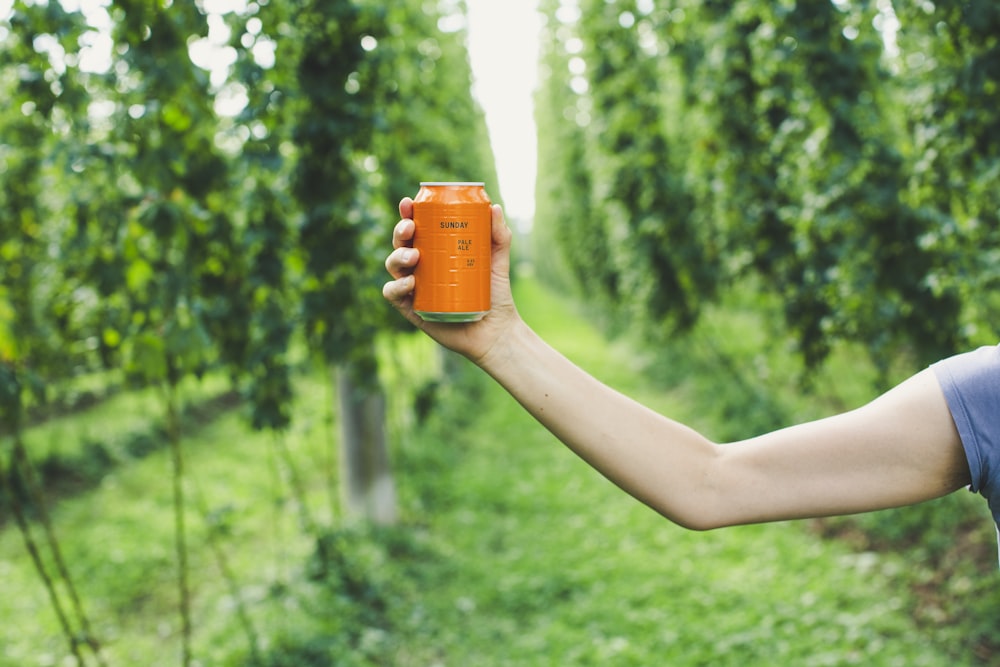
column 453, row 234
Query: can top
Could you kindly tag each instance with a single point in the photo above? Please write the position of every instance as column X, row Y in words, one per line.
column 456, row 183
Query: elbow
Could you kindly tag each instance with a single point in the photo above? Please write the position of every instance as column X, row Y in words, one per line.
column 706, row 504
column 697, row 521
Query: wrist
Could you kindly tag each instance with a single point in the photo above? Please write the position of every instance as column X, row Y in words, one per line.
column 506, row 349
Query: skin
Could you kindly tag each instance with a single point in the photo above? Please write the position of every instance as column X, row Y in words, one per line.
column 901, row 448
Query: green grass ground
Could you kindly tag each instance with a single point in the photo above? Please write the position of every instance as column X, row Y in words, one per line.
column 511, row 551
column 546, row 563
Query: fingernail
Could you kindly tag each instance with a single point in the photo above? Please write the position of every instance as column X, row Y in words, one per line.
column 406, row 255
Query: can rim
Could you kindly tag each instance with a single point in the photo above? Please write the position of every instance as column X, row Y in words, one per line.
column 438, row 183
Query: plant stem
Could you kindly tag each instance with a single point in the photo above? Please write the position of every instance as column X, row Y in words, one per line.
column 295, row 484
column 180, row 532
column 7, row 485
column 227, row 574
column 23, row 464
column 332, row 483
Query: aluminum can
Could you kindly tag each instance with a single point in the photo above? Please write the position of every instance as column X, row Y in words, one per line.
column 453, row 232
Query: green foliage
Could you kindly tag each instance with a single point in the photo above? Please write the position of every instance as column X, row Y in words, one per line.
column 148, row 229
column 428, row 127
column 267, row 365
column 533, row 561
column 131, row 210
column 777, row 148
column 640, row 193
column 183, row 275
column 267, row 237
column 331, row 128
column 40, row 95
column 629, row 589
column 572, row 241
column 718, row 141
column 951, row 76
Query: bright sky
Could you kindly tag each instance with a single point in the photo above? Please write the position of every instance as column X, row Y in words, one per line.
column 503, row 47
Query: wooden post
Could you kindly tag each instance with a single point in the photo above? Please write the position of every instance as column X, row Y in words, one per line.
column 367, row 486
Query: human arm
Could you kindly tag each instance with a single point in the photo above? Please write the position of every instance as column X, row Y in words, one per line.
column 899, row 449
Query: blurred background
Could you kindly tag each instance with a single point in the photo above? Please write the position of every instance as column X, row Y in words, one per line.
column 220, row 446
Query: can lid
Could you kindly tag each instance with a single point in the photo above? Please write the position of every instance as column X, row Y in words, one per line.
column 459, row 183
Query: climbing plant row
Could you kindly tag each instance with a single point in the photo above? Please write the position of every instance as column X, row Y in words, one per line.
column 837, row 154
column 164, row 215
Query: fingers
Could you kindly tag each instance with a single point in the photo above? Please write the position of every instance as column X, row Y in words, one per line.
column 406, row 208
column 402, row 233
column 398, row 291
column 401, row 261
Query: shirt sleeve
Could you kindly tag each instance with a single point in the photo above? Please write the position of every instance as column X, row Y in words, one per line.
column 971, row 385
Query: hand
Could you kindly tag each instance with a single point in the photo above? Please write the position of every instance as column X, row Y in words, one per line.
column 472, row 339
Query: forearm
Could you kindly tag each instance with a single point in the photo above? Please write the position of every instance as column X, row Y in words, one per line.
column 661, row 462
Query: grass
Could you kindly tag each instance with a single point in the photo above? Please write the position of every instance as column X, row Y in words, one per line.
column 117, row 538
column 510, row 551
column 544, row 562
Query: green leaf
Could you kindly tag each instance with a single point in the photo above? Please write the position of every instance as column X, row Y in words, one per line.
column 137, row 275
column 112, row 338
column 186, row 342
column 8, row 343
column 146, row 357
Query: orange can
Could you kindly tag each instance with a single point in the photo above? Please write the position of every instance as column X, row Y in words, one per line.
column 453, row 234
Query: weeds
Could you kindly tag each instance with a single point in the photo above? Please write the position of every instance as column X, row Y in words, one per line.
column 510, row 551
